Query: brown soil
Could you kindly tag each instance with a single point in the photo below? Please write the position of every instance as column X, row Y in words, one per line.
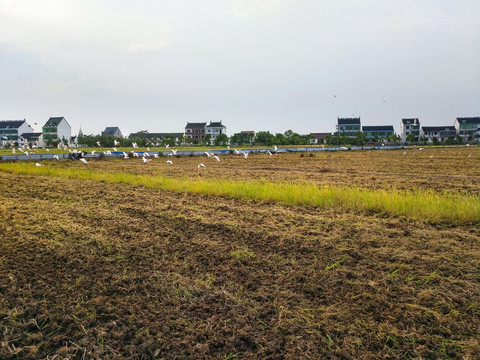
column 439, row 169
column 91, row 270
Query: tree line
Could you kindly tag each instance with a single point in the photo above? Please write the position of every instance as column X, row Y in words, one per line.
column 266, row 138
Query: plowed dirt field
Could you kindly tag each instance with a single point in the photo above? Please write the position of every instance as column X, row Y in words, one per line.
column 112, row 271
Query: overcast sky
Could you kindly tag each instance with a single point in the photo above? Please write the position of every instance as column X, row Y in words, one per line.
column 254, row 64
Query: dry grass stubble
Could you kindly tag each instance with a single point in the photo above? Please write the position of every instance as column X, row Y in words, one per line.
column 111, row 270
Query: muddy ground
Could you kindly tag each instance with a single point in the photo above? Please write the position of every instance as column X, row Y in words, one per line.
column 92, row 270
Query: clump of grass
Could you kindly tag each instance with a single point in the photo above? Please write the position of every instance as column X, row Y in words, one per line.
column 421, row 205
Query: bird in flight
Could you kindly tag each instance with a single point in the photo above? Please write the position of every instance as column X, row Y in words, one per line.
column 83, row 160
column 201, row 165
column 170, row 162
column 216, row 158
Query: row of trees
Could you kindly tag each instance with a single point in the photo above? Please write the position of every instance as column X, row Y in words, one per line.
column 260, row 138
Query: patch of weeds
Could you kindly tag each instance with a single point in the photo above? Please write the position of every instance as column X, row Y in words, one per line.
column 242, row 253
column 432, row 276
column 335, row 264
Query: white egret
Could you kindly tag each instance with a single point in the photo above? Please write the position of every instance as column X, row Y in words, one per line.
column 114, row 149
column 170, row 162
column 55, row 157
column 245, row 155
column 83, row 160
column 98, row 143
column 125, row 155
column 216, row 158
column 201, row 165
column 37, row 164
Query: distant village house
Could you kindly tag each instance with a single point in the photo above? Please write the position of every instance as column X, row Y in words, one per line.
column 440, row 133
column 56, row 128
column 468, row 128
column 195, row 131
column 215, row 129
column 378, row 131
column 319, row 138
column 409, row 126
column 11, row 130
column 348, row 126
column 112, row 131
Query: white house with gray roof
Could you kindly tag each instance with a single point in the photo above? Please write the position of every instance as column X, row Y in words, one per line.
column 11, row 131
column 214, row 129
column 409, row 126
column 57, row 128
column 468, row 128
column 113, row 131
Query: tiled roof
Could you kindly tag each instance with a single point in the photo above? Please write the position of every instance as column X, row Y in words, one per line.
column 346, row 121
column 12, row 124
column 378, row 128
column 410, row 121
column 111, row 130
column 320, row 135
column 196, row 125
column 54, row 121
column 215, row 124
column 438, row 128
column 30, row 136
column 468, row 120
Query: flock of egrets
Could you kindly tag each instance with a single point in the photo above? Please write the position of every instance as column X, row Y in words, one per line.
column 74, row 154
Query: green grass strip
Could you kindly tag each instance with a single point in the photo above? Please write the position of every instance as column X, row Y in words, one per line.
column 419, row 205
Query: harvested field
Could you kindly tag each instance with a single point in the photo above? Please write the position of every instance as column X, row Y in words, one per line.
column 114, row 271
